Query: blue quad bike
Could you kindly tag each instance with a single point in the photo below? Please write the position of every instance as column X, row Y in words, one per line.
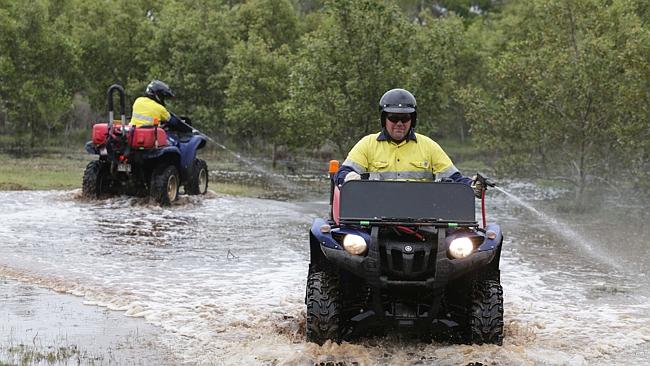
column 408, row 256
column 143, row 161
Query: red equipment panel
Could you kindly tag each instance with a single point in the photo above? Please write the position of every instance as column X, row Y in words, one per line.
column 145, row 137
column 100, row 132
column 138, row 137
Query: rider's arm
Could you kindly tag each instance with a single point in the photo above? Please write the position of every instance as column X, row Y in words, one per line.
column 173, row 121
column 176, row 124
column 339, row 178
column 459, row 178
column 357, row 160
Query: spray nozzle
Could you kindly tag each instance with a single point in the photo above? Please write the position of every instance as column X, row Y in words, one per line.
column 484, row 180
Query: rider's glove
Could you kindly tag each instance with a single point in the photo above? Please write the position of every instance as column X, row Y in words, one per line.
column 352, row 176
column 478, row 187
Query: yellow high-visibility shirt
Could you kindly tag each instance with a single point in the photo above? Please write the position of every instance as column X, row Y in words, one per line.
column 413, row 159
column 146, row 110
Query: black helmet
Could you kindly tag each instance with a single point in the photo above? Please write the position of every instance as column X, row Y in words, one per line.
column 398, row 101
column 158, row 91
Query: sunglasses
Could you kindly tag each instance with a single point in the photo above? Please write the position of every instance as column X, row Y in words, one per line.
column 404, row 118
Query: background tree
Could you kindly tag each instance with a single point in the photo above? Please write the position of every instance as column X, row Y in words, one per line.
column 434, row 52
column 632, row 97
column 112, row 39
column 38, row 68
column 257, row 92
column 343, row 68
column 275, row 21
column 189, row 50
column 553, row 101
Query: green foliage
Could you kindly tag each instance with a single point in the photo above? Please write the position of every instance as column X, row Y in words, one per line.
column 257, row 91
column 556, row 86
column 111, row 37
column 467, row 9
column 435, row 52
column 275, row 21
column 189, row 51
column 38, row 67
column 362, row 49
column 344, row 67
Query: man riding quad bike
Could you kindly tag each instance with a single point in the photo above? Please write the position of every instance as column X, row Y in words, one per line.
column 404, row 255
column 144, row 160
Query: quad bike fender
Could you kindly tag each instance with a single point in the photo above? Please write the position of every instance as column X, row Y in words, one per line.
column 324, row 248
column 485, row 258
column 91, row 148
column 188, row 152
column 321, row 238
column 475, row 262
column 327, row 239
column 492, row 244
column 157, row 153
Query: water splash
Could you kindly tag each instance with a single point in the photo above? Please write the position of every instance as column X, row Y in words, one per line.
column 563, row 229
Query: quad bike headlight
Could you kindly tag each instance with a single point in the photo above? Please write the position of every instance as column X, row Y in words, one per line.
column 354, row 244
column 461, row 247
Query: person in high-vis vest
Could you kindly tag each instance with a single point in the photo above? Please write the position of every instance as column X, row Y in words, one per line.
column 150, row 109
column 397, row 152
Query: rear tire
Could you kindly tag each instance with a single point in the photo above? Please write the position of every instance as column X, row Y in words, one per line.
column 198, row 181
column 96, row 180
column 486, row 313
column 324, row 304
column 164, row 185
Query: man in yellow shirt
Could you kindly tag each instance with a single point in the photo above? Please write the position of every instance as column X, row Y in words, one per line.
column 150, row 109
column 397, row 152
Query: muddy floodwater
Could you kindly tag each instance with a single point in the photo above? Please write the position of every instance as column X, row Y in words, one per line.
column 220, row 280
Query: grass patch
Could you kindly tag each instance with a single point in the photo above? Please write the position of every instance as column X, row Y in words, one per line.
column 238, row 189
column 51, row 355
column 53, row 171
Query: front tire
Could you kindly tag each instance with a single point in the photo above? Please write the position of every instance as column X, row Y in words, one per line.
column 96, row 180
column 486, row 313
column 164, row 185
column 198, row 181
column 324, row 305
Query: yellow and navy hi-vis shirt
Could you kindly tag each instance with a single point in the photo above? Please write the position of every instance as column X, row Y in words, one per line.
column 146, row 110
column 416, row 158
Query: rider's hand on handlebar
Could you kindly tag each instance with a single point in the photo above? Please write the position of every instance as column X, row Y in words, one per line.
column 478, row 187
column 352, row 176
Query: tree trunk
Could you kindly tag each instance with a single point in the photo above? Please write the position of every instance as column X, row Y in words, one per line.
column 274, row 155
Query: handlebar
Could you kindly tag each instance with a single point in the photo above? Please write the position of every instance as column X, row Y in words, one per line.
column 485, row 181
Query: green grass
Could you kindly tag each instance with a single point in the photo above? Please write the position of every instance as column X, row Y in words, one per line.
column 52, row 171
column 65, row 171
column 237, row 189
column 30, row 355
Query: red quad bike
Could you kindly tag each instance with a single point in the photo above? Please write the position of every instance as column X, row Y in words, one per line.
column 407, row 256
column 143, row 161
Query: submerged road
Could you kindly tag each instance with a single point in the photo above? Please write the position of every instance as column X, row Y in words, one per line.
column 222, row 280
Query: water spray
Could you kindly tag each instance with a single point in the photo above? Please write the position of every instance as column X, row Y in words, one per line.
column 239, row 157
